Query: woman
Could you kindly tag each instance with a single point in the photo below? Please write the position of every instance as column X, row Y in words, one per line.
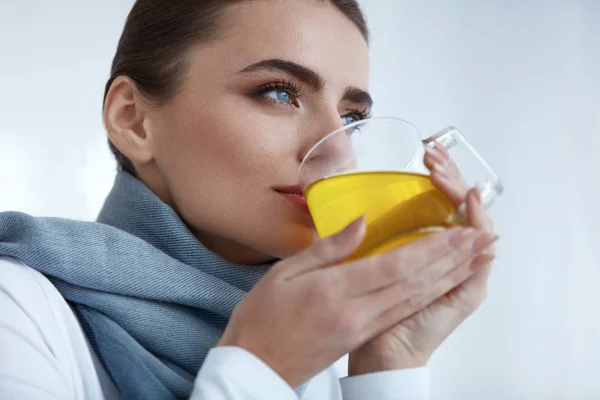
column 209, row 110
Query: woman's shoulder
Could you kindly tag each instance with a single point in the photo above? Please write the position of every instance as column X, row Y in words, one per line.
column 24, row 284
column 36, row 302
column 31, row 297
column 42, row 341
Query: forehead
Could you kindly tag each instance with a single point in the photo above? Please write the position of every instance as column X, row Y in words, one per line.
column 309, row 32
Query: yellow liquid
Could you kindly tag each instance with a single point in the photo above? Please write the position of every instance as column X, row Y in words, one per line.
column 400, row 207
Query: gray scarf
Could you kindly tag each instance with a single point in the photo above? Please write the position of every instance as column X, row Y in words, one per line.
column 152, row 300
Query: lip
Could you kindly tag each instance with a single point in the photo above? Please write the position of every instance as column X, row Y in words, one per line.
column 292, row 189
column 294, row 194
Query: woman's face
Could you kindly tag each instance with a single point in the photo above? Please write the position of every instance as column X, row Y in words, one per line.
column 228, row 146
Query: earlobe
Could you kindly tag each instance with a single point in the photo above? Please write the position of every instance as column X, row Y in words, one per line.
column 124, row 113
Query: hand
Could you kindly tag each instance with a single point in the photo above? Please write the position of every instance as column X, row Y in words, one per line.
column 411, row 342
column 312, row 308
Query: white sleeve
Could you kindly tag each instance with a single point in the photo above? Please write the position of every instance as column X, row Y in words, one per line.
column 402, row 384
column 28, row 369
column 232, row 373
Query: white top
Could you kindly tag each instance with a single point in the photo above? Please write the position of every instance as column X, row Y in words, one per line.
column 44, row 354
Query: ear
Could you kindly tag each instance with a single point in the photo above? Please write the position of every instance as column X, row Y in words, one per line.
column 124, row 113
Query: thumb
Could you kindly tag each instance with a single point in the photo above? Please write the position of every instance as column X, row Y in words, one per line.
column 332, row 249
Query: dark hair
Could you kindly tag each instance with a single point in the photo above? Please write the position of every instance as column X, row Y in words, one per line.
column 157, row 36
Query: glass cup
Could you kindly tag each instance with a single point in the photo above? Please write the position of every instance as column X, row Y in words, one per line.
column 375, row 168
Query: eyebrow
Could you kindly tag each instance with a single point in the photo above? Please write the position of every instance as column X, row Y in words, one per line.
column 298, row 71
column 359, row 96
column 309, row 77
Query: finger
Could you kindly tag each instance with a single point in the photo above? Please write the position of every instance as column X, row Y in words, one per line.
column 470, row 292
column 442, row 150
column 417, row 265
column 417, row 301
column 476, row 287
column 455, row 188
column 445, row 174
column 434, row 160
column 369, row 274
column 476, row 214
column 330, row 250
column 426, row 285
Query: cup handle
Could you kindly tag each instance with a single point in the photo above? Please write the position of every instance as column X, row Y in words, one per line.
column 490, row 186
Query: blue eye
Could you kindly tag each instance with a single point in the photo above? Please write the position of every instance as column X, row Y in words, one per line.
column 280, row 95
column 284, row 93
column 349, row 119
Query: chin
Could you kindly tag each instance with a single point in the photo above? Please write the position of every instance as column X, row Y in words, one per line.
column 292, row 241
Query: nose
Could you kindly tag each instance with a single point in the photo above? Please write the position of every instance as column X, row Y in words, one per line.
column 329, row 150
column 319, row 127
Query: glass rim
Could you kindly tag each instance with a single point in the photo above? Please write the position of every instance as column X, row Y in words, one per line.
column 357, row 123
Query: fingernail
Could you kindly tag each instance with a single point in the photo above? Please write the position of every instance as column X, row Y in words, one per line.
column 460, row 236
column 482, row 260
column 483, row 242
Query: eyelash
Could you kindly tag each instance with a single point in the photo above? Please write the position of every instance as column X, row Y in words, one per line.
column 365, row 113
column 287, row 86
column 296, row 92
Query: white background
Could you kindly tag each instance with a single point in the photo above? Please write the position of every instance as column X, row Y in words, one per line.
column 519, row 78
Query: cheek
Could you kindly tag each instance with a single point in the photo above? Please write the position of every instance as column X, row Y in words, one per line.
column 208, row 145
column 220, row 169
column 236, row 147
